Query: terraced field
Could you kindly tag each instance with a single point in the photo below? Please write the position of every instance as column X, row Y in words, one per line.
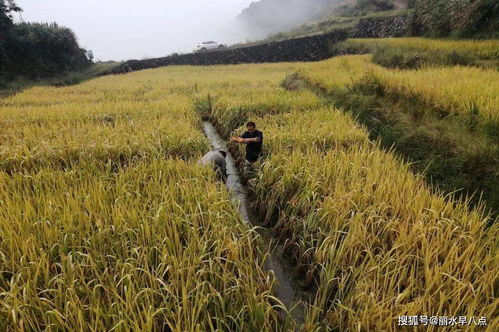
column 457, row 89
column 360, row 226
column 444, row 118
column 487, row 49
column 107, row 223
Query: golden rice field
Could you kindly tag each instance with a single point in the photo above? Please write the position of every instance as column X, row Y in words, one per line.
column 455, row 90
column 356, row 219
column 487, row 49
column 62, row 135
column 338, row 72
column 107, row 223
column 151, row 246
column 458, row 90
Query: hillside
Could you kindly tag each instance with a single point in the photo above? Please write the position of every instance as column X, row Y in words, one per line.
column 266, row 17
column 280, row 18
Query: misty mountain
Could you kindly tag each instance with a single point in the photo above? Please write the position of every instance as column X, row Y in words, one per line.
column 266, row 17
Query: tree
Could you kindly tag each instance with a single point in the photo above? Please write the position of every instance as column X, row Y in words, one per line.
column 7, row 7
column 35, row 49
column 6, row 24
column 6, row 10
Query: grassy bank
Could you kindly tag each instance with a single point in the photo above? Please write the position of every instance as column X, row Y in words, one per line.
column 12, row 86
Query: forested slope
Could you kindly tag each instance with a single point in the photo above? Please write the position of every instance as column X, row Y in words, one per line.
column 36, row 49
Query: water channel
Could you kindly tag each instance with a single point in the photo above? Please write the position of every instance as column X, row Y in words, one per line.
column 285, row 289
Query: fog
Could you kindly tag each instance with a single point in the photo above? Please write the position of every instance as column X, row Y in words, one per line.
column 133, row 29
column 267, row 17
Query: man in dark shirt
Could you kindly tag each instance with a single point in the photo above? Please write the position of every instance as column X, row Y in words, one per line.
column 253, row 139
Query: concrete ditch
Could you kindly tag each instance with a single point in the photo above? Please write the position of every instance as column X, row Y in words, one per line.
column 286, row 290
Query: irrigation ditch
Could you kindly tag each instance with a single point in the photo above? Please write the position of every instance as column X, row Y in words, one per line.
column 287, row 290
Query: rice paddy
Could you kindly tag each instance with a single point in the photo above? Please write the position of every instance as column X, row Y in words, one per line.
column 107, row 223
column 366, row 230
column 153, row 246
column 452, row 90
column 457, row 90
column 486, row 49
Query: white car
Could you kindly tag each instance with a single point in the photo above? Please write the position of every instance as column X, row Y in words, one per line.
column 209, row 46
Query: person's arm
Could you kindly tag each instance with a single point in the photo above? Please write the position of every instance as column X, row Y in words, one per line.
column 244, row 140
column 224, row 171
column 221, row 166
column 257, row 139
column 239, row 139
column 250, row 140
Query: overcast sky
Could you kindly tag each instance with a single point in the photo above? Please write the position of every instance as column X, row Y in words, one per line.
column 134, row 29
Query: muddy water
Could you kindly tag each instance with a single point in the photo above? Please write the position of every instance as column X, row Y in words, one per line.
column 285, row 289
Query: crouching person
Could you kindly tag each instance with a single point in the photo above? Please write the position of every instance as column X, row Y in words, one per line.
column 216, row 159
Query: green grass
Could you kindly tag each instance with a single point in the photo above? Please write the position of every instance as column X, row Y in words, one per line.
column 11, row 87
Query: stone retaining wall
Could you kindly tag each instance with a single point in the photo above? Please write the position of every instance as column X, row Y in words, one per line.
column 381, row 27
column 311, row 48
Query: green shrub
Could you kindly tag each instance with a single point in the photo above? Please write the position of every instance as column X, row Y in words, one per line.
column 36, row 49
column 461, row 18
column 364, row 7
